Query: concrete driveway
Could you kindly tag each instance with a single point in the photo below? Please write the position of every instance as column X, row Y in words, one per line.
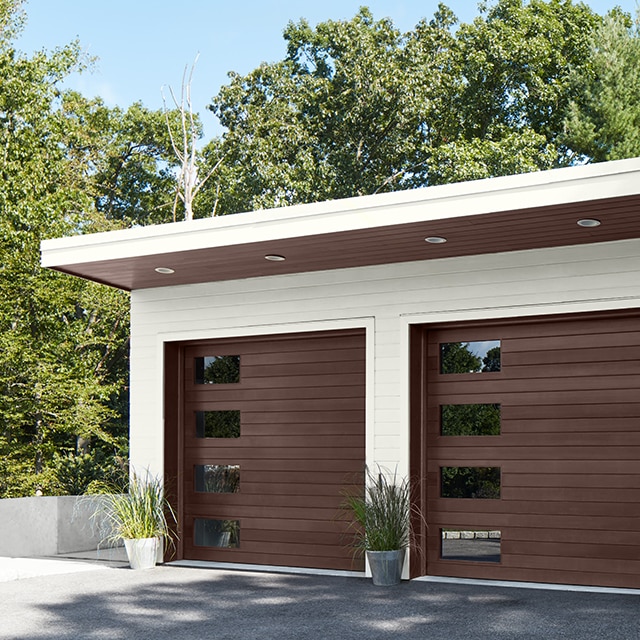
column 174, row 603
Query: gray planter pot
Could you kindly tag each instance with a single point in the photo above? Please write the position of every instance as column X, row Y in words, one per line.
column 386, row 567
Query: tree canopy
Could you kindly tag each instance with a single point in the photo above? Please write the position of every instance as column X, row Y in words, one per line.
column 357, row 107
column 68, row 165
column 603, row 122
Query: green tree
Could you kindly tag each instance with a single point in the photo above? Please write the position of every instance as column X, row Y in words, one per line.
column 357, row 107
column 470, row 420
column 470, row 482
column 516, row 61
column 63, row 371
column 347, row 112
column 492, row 361
column 604, row 117
column 457, row 357
column 63, row 341
column 123, row 157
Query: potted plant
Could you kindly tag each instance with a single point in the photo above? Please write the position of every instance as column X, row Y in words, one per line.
column 381, row 523
column 138, row 517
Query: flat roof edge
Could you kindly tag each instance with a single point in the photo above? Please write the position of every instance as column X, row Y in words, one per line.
column 543, row 188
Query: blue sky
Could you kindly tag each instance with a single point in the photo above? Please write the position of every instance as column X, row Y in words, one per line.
column 145, row 44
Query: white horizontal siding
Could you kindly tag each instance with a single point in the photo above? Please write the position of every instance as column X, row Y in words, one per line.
column 348, row 299
column 385, row 299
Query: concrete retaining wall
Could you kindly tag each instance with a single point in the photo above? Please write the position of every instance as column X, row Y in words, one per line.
column 46, row 526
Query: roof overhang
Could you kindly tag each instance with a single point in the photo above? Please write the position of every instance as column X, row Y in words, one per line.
column 512, row 213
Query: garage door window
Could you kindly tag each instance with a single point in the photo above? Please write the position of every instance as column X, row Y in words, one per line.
column 470, row 419
column 470, row 357
column 217, row 370
column 470, row 482
column 216, row 533
column 474, row 546
column 217, row 478
column 218, row 424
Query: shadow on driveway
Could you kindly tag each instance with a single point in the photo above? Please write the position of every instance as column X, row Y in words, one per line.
column 173, row 603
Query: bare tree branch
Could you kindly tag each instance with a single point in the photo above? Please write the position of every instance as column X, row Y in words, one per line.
column 189, row 184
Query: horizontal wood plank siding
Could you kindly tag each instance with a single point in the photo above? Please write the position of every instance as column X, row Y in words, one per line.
column 569, row 505
column 302, row 440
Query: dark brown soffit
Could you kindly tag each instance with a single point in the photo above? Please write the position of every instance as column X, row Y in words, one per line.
column 533, row 228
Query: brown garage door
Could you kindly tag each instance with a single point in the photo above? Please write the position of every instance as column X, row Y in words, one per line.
column 273, row 429
column 527, row 437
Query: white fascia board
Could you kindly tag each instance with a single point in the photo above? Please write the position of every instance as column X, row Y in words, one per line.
column 539, row 189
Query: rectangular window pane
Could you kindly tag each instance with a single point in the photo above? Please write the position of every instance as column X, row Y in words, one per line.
column 216, row 533
column 217, row 424
column 475, row 546
column 217, row 370
column 217, row 478
column 470, row 482
column 470, row 357
column 470, row 419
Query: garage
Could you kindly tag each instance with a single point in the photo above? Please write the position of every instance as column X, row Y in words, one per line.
column 269, row 432
column 525, row 437
column 502, row 327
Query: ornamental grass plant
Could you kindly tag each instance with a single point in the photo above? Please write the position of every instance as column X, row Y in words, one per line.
column 382, row 513
column 140, row 512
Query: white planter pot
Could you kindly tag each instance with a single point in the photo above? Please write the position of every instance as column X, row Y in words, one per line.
column 142, row 552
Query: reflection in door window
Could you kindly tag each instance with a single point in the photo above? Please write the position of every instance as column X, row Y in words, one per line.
column 470, row 482
column 217, row 370
column 217, row 478
column 470, row 357
column 470, row 419
column 218, row 424
column 473, row 546
column 223, row 534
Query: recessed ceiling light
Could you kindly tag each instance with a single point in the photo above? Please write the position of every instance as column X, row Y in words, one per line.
column 164, row 270
column 589, row 222
column 272, row 257
column 435, row 240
